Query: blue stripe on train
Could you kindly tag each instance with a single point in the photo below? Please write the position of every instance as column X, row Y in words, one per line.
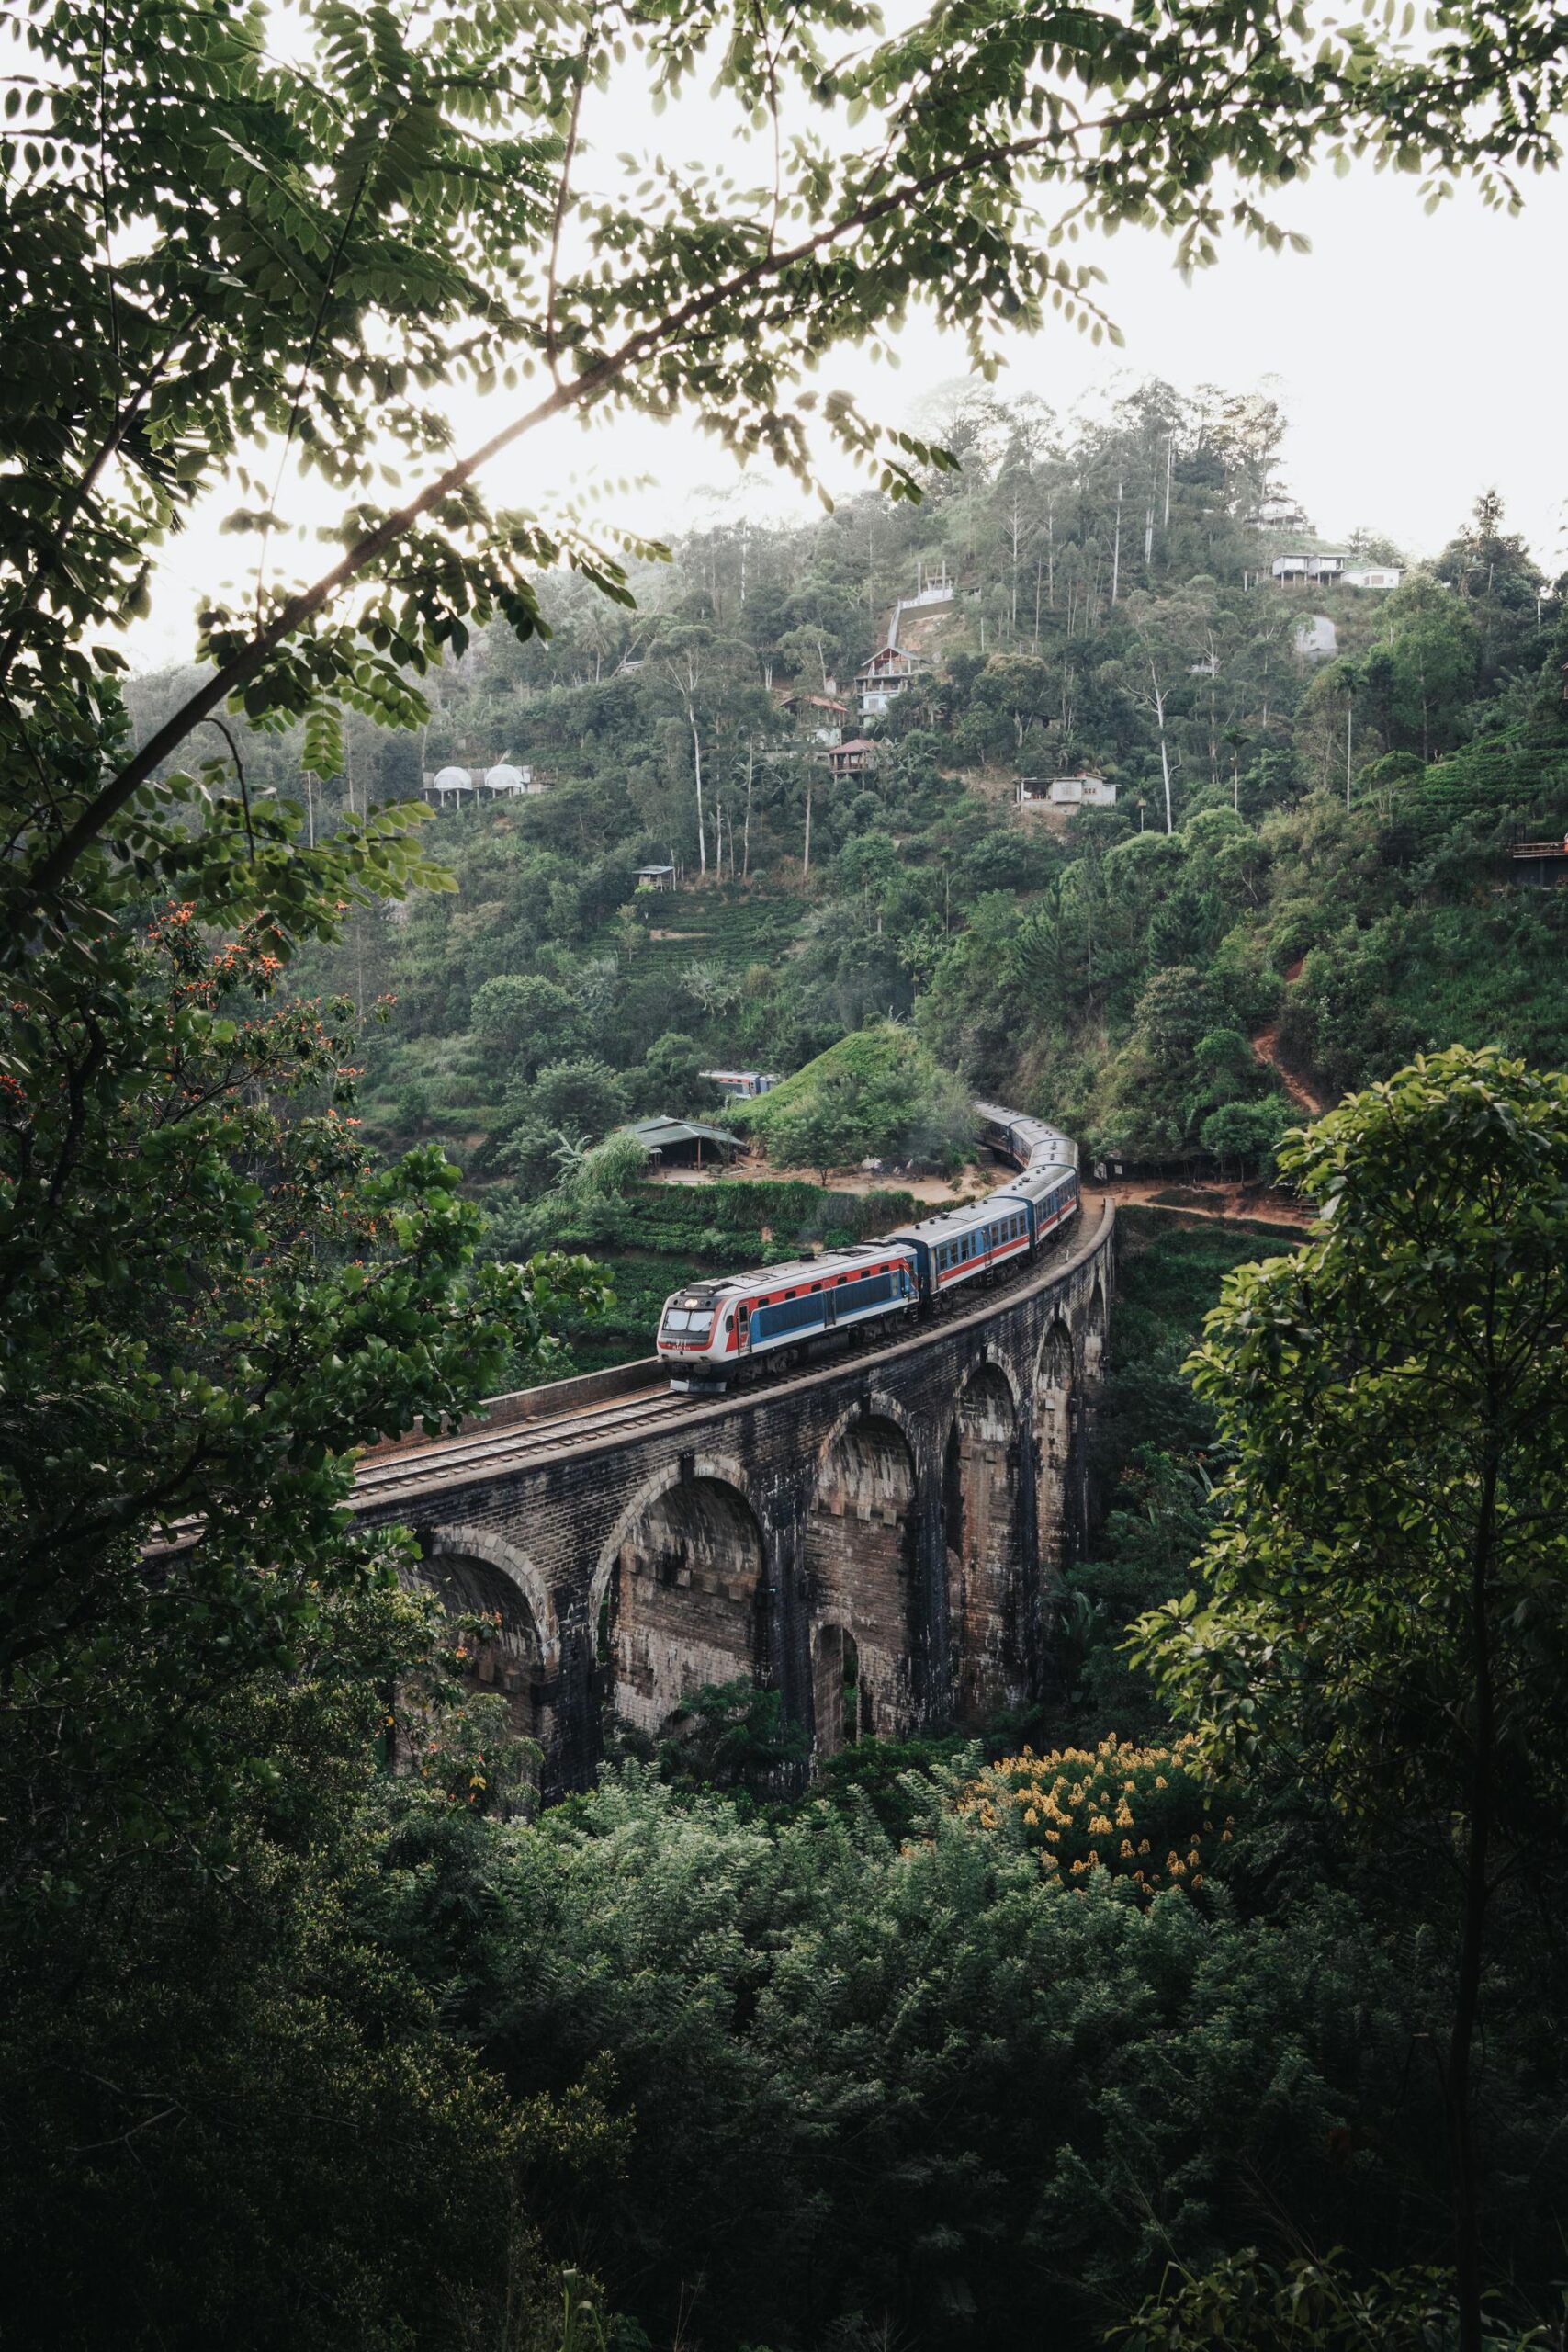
column 810, row 1313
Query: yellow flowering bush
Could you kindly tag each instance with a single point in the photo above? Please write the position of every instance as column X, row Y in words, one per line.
column 1143, row 1814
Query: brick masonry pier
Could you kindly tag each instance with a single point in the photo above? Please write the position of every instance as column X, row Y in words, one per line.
column 879, row 1538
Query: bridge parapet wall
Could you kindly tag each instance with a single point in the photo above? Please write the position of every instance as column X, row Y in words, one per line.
column 880, row 1538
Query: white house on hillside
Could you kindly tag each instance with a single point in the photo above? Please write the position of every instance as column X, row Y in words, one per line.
column 881, row 681
column 502, row 778
column 1289, row 568
column 1086, row 791
column 1334, row 572
column 934, row 585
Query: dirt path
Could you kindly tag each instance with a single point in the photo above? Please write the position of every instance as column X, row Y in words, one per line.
column 1231, row 1204
column 1266, row 1046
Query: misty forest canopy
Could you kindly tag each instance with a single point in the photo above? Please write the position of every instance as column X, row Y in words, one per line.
column 229, row 264
column 1336, row 872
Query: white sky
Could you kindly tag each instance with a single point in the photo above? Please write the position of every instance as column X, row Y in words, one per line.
column 1418, row 360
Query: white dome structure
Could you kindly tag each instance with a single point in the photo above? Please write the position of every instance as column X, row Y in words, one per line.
column 453, row 780
column 504, row 777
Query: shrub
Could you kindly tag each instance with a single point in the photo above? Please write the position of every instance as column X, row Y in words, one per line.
column 1140, row 1813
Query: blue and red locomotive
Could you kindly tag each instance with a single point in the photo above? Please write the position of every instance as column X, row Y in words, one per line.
column 714, row 1332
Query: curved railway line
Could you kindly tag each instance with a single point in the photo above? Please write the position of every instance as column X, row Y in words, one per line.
column 428, row 1464
column 887, row 1514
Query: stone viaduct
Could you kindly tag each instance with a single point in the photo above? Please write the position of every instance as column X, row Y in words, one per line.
column 879, row 1537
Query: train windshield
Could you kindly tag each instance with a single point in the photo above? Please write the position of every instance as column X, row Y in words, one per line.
column 687, row 1315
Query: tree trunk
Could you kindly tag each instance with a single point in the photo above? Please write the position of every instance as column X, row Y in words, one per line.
column 1164, row 747
column 1457, row 2074
column 698, row 765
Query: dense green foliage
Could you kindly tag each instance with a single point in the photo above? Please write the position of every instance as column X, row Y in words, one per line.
column 1156, row 1455
column 233, row 2112
column 1383, row 1613
column 1094, row 965
column 935, row 2087
column 300, row 2051
column 875, row 1095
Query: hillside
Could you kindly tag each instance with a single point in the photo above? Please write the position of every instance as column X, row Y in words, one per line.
column 1330, row 867
column 877, row 1094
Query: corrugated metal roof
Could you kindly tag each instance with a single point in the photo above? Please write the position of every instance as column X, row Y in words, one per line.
column 655, row 1133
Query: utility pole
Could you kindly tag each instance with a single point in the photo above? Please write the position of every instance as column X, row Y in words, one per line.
column 746, row 838
column 1170, row 457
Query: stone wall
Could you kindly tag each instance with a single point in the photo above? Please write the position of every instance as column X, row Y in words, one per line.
column 880, row 1538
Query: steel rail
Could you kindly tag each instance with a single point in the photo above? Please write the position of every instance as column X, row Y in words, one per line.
column 456, row 1462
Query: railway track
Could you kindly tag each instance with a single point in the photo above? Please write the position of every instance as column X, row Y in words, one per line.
column 450, row 1462
column 549, row 1435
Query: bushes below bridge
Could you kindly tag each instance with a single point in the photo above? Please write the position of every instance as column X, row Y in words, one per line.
column 866, row 2084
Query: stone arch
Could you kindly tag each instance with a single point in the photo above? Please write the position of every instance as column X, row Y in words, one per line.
column 677, row 1597
column 875, row 1405
column 476, row 1573
column 1054, row 1405
column 861, row 1551
column 982, row 1525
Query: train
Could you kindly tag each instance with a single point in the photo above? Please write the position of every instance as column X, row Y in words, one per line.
column 712, row 1334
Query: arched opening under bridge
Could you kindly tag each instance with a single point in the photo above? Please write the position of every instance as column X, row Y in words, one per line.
column 982, row 1530
column 504, row 1625
column 861, row 1549
column 682, row 1604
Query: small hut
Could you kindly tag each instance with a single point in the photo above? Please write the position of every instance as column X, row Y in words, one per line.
column 681, row 1142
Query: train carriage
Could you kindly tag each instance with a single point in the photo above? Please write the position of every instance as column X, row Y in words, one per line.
column 723, row 1328
column 714, row 1332
column 964, row 1244
column 1049, row 1196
